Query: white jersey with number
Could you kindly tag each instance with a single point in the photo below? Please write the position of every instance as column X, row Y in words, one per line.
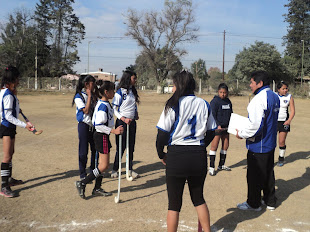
column 124, row 104
column 284, row 103
column 80, row 102
column 188, row 122
column 103, row 120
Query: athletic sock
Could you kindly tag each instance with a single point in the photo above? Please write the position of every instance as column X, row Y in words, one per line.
column 212, row 158
column 282, row 153
column 5, row 174
column 222, row 157
column 93, row 175
column 98, row 182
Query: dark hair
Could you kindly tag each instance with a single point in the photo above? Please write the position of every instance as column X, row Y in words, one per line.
column 260, row 76
column 11, row 74
column 185, row 84
column 125, row 83
column 81, row 84
column 106, row 85
column 280, row 84
column 222, row 86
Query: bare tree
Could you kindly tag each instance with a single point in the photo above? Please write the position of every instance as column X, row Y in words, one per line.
column 160, row 34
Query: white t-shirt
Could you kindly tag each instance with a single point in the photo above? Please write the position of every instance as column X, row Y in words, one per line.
column 284, row 103
column 124, row 104
column 103, row 117
column 80, row 105
column 188, row 122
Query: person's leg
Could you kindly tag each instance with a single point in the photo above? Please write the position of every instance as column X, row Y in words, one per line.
column 92, row 149
column 223, row 153
column 83, row 148
column 269, row 182
column 175, row 188
column 212, row 154
column 204, row 217
column 282, row 148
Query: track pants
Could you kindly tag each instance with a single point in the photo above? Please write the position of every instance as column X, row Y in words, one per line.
column 132, row 141
column 260, row 176
column 85, row 137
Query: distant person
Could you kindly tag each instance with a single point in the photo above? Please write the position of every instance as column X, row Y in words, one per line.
column 103, row 122
column 9, row 120
column 285, row 118
column 221, row 109
column 186, row 126
column 85, row 100
column 125, row 109
column 261, row 135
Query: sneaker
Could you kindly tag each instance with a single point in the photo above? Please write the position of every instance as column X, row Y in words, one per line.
column 212, row 171
column 14, row 182
column 245, row 206
column 114, row 174
column 80, row 188
column 101, row 192
column 133, row 174
column 280, row 163
column 271, row 208
column 7, row 192
column 223, row 167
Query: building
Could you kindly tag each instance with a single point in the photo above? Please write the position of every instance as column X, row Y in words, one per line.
column 100, row 75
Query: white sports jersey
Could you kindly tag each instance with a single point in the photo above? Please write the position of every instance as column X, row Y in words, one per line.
column 188, row 122
column 284, row 103
column 124, row 104
column 103, row 117
column 80, row 105
column 10, row 109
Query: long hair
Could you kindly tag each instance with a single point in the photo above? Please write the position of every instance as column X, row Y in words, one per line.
column 125, row 83
column 185, row 84
column 280, row 84
column 106, row 85
column 81, row 84
column 11, row 74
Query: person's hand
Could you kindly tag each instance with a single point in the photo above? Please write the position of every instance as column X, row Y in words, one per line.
column 237, row 134
column 137, row 116
column 126, row 120
column 287, row 122
column 119, row 130
column 163, row 160
column 88, row 91
column 219, row 128
column 29, row 127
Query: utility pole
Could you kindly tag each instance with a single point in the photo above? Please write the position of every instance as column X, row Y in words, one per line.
column 197, row 77
column 302, row 61
column 88, row 57
column 36, row 66
column 223, row 54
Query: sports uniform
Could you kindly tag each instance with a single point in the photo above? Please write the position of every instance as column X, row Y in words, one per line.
column 261, row 135
column 9, row 109
column 85, row 131
column 283, row 112
column 124, row 105
column 183, row 129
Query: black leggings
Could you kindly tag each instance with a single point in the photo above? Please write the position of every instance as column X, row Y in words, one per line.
column 175, row 187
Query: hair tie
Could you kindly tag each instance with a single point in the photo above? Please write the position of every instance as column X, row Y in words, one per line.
column 7, row 68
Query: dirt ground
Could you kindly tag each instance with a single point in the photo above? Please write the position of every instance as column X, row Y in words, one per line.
column 48, row 164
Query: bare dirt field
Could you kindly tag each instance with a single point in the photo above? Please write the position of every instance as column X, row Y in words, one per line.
column 48, row 164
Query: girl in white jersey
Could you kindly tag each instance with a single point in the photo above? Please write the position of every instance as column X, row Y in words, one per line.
column 103, row 122
column 284, row 118
column 9, row 120
column 186, row 126
column 125, row 109
column 85, row 101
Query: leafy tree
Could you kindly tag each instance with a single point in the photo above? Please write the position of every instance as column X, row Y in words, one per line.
column 199, row 70
column 298, row 18
column 259, row 56
column 215, row 77
column 160, row 34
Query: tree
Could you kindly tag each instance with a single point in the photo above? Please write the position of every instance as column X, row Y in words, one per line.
column 259, row 56
column 216, row 76
column 298, row 18
column 198, row 68
column 160, row 34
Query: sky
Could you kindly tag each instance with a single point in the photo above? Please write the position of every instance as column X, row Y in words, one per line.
column 106, row 46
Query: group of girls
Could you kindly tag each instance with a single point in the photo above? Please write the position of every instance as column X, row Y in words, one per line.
column 95, row 116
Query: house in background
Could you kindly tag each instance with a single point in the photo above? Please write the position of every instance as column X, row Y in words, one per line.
column 101, row 75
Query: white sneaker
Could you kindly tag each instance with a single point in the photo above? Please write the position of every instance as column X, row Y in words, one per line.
column 133, row 174
column 114, row 174
column 212, row 171
column 271, row 208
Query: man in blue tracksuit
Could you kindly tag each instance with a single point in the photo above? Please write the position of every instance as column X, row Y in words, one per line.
column 261, row 135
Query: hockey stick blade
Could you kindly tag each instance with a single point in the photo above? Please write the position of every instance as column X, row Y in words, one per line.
column 37, row 132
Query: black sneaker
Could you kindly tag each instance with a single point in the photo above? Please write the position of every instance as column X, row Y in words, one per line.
column 101, row 192
column 14, row 182
column 7, row 192
column 80, row 188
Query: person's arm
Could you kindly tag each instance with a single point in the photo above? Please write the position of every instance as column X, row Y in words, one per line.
column 161, row 141
column 214, row 108
column 87, row 105
column 8, row 109
column 209, row 137
column 292, row 112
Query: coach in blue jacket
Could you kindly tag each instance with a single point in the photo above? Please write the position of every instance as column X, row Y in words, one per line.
column 261, row 135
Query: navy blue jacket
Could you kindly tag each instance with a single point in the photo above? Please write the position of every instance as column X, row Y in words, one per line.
column 221, row 110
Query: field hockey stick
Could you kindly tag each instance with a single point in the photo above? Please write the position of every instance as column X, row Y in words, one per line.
column 116, row 199
column 129, row 178
column 34, row 131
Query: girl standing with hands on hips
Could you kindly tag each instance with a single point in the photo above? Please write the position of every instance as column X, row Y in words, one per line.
column 9, row 120
column 103, row 122
column 221, row 109
column 186, row 126
column 284, row 118
column 125, row 109
column 85, row 102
